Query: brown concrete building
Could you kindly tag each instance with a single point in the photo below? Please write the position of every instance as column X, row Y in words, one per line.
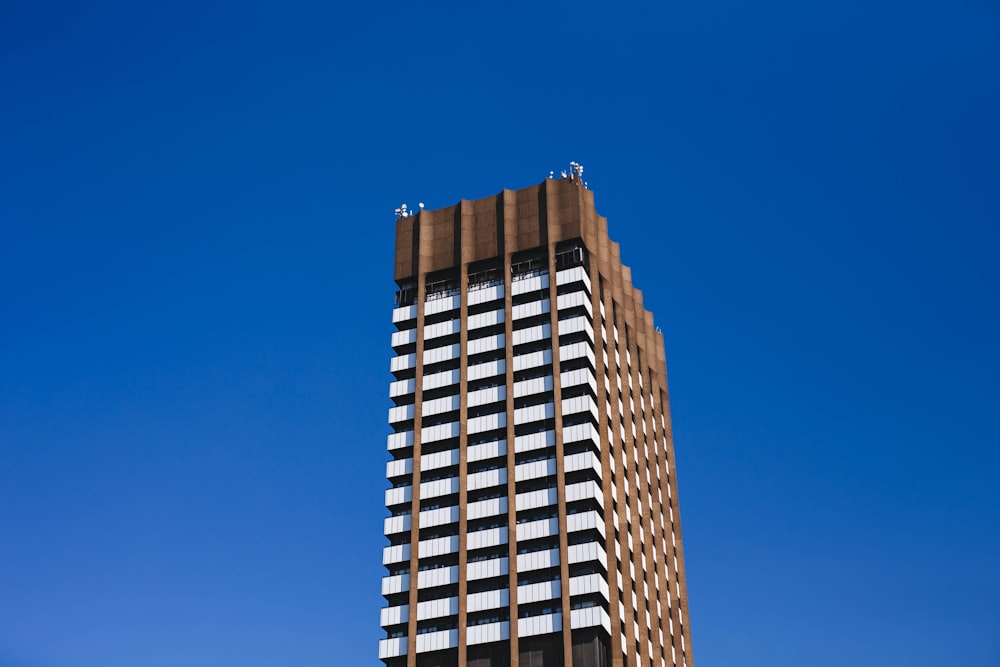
column 534, row 516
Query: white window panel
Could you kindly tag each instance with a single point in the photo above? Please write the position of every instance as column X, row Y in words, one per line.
column 437, row 608
column 589, row 583
column 532, row 360
column 488, row 369
column 532, row 386
column 589, row 617
column 537, row 560
column 487, row 633
column 485, row 569
column 578, row 404
column 585, row 521
column 437, row 641
column 487, row 396
column 534, row 499
column 398, row 583
column 486, row 479
column 404, row 337
column 577, row 351
column 439, row 329
column 439, row 546
column 575, row 300
column 495, row 599
column 539, row 625
column 404, row 314
column 397, row 553
column 484, row 508
column 532, row 284
column 530, row 309
column 402, row 362
column 437, row 460
column 575, row 325
column 487, row 319
column 439, row 487
column 487, row 423
column 393, row 615
column 436, row 355
column 575, row 378
column 402, row 387
column 543, row 590
column 532, row 530
column 392, row 648
column 583, row 461
column 438, row 517
column 581, row 433
column 399, row 468
column 439, row 405
column 486, row 344
column 400, row 413
column 534, row 413
column 442, row 576
column 439, row 432
column 576, row 274
column 442, row 305
column 532, row 334
column 480, row 539
column 584, row 491
column 587, row 552
column 442, row 379
column 398, row 495
column 397, row 524
column 532, row 441
column 487, row 450
column 484, row 294
column 535, row 469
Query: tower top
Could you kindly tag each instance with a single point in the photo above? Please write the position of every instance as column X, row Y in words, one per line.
column 554, row 210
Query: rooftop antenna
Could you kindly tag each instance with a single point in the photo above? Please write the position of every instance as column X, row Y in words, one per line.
column 421, row 205
column 576, row 173
column 402, row 212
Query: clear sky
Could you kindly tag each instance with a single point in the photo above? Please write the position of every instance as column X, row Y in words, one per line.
column 196, row 234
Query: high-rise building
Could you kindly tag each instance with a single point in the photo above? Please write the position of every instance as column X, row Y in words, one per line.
column 534, row 516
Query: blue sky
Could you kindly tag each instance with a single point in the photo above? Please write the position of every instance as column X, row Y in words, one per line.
column 195, row 284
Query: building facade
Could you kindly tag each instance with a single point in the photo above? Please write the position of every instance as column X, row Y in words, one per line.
column 534, row 516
